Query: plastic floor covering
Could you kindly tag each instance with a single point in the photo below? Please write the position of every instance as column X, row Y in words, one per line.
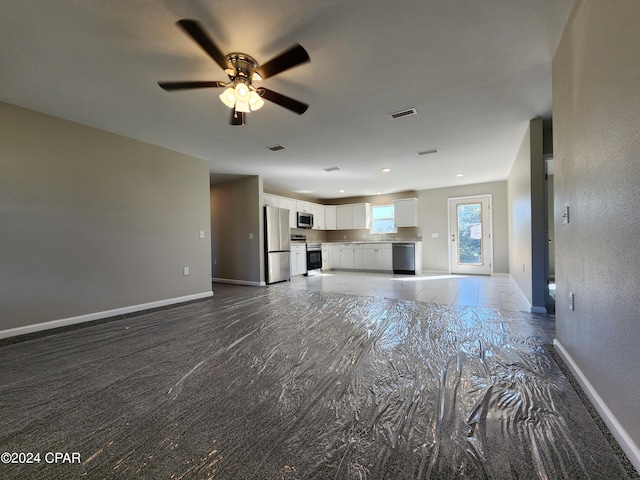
column 281, row 384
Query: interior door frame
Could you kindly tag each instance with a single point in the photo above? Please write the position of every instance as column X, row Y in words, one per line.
column 489, row 247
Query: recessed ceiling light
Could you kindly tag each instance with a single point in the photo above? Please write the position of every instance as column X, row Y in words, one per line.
column 460, row 174
column 341, row 190
column 378, row 193
column 386, row 170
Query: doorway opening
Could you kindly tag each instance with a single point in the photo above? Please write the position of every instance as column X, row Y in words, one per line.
column 550, row 266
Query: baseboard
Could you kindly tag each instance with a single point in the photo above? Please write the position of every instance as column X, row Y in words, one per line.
column 426, row 271
column 531, row 308
column 64, row 322
column 627, row 444
column 239, row 282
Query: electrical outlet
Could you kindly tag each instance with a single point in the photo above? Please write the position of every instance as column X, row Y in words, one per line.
column 185, row 271
column 251, row 236
column 201, row 233
column 215, row 261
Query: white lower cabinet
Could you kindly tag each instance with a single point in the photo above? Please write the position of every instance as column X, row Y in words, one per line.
column 325, row 257
column 358, row 259
column 298, row 260
column 334, row 255
column 385, row 258
column 346, row 256
column 361, row 256
column 378, row 256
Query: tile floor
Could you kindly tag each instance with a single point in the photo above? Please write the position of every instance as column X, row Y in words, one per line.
column 497, row 291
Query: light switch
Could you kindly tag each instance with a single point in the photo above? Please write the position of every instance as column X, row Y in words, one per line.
column 251, row 236
column 201, row 233
column 185, row 271
column 571, row 302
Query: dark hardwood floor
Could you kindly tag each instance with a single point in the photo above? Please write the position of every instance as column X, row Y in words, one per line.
column 282, row 383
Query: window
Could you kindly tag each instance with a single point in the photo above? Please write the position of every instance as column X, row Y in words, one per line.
column 382, row 219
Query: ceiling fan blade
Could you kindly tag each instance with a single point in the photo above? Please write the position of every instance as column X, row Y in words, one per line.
column 197, row 33
column 170, row 86
column 237, row 118
column 286, row 60
column 284, row 101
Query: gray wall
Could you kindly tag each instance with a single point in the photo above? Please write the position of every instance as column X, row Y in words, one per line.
column 92, row 221
column 433, row 218
column 596, row 106
column 527, row 217
column 237, row 213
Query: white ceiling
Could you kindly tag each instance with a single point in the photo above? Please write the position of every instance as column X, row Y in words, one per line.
column 476, row 71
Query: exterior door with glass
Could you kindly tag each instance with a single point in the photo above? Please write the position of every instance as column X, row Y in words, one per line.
column 470, row 236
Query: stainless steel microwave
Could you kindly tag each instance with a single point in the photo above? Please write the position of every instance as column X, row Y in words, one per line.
column 305, row 220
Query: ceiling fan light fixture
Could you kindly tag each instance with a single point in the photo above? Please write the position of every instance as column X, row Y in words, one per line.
column 239, row 93
column 228, row 97
column 242, row 92
column 242, row 107
column 255, row 102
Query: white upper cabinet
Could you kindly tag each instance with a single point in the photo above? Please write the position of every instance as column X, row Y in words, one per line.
column 344, row 217
column 406, row 212
column 290, row 204
column 304, row 207
column 330, row 217
column 270, row 200
column 357, row 215
column 318, row 216
column 361, row 215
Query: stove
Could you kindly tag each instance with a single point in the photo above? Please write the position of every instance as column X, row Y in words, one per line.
column 314, row 258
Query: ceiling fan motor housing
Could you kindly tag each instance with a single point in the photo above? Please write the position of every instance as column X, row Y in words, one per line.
column 243, row 68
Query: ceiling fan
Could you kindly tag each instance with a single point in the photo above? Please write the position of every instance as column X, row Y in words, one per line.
column 240, row 94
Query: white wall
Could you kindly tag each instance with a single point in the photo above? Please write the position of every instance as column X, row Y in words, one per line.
column 596, row 106
column 92, row 222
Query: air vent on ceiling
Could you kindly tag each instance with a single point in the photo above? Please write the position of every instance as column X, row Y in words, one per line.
column 275, row 148
column 403, row 113
column 331, row 169
column 428, row 152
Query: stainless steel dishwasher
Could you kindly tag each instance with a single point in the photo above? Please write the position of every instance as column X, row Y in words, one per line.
column 404, row 258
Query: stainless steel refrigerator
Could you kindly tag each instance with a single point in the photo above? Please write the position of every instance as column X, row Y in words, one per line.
column 277, row 244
